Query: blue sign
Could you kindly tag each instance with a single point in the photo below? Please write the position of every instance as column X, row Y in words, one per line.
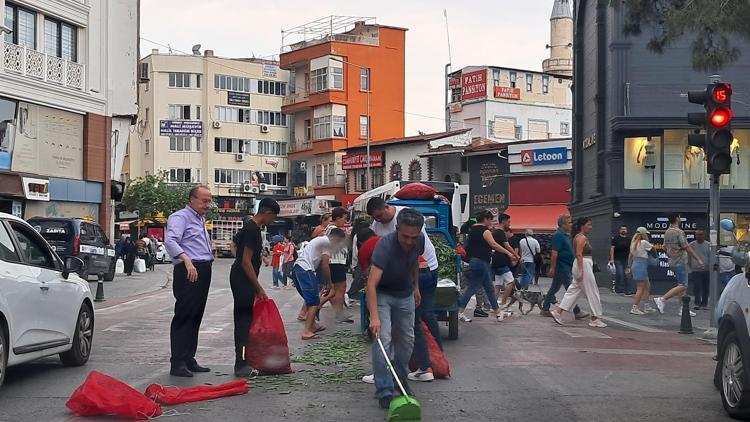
column 181, row 128
column 536, row 157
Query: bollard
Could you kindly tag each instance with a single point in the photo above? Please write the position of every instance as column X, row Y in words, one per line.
column 99, row 288
column 686, row 324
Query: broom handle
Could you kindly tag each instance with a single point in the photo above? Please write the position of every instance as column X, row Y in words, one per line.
column 393, row 371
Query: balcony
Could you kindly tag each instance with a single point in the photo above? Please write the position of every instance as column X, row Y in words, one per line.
column 299, row 146
column 366, row 39
column 43, row 67
column 558, row 67
column 297, row 97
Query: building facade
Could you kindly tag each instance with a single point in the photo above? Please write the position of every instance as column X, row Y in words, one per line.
column 632, row 161
column 216, row 121
column 347, row 86
column 67, row 98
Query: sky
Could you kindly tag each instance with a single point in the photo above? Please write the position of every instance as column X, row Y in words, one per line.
column 482, row 32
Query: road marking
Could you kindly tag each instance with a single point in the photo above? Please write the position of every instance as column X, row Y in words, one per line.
column 214, row 329
column 117, row 328
column 633, row 325
column 583, row 333
column 669, row 353
column 131, row 304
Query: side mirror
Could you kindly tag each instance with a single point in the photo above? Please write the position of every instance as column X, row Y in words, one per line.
column 71, row 265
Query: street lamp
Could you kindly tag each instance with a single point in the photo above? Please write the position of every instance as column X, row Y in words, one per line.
column 369, row 88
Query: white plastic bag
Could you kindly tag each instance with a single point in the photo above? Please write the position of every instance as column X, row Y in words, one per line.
column 612, row 268
column 140, row 265
column 119, row 266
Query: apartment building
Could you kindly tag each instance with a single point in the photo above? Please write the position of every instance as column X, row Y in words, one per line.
column 67, row 97
column 347, row 87
column 216, row 121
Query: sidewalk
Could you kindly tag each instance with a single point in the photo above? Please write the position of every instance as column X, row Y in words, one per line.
column 124, row 286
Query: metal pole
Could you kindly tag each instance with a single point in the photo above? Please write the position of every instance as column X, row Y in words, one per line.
column 369, row 170
column 714, row 227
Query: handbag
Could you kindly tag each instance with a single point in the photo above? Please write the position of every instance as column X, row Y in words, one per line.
column 653, row 258
column 596, row 268
column 537, row 255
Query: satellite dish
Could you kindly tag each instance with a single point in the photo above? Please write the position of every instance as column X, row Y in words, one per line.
column 197, row 49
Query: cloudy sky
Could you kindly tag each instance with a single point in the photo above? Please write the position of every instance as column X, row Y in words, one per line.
column 492, row 32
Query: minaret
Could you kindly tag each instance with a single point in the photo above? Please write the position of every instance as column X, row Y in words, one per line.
column 560, row 62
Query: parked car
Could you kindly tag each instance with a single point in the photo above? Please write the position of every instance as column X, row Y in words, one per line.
column 732, row 375
column 45, row 309
column 82, row 238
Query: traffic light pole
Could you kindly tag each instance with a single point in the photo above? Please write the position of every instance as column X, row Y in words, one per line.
column 715, row 230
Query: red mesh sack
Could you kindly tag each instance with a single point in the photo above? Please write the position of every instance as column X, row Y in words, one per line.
column 267, row 349
column 440, row 367
column 174, row 395
column 416, row 191
column 102, row 394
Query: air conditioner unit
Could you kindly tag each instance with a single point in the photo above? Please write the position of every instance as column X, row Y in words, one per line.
column 254, row 189
column 143, row 72
column 264, row 128
column 247, row 187
column 239, row 157
column 263, row 187
column 216, row 125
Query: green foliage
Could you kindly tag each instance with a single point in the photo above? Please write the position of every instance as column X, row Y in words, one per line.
column 151, row 195
column 446, row 257
column 709, row 23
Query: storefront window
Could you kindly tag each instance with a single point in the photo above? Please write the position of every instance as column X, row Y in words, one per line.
column 642, row 162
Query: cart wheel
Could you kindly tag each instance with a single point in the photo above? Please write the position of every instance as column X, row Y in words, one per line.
column 453, row 325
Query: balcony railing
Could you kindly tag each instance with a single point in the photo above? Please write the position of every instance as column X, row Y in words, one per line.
column 300, row 146
column 350, row 38
column 295, row 98
column 41, row 66
column 553, row 65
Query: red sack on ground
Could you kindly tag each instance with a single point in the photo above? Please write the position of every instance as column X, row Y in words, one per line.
column 102, row 394
column 174, row 395
column 440, row 367
column 416, row 191
column 267, row 349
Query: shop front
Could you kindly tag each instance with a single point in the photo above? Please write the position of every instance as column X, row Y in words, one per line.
column 488, row 178
column 232, row 212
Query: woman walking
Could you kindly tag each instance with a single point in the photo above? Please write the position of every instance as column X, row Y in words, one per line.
column 639, row 257
column 584, row 282
column 128, row 255
column 479, row 248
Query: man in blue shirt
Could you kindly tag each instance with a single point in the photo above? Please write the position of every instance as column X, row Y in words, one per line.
column 561, row 267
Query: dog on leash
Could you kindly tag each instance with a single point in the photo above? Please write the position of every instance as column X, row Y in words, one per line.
column 527, row 296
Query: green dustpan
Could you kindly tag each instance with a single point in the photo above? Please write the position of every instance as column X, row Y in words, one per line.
column 403, row 408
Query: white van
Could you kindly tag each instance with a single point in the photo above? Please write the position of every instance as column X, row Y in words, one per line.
column 457, row 194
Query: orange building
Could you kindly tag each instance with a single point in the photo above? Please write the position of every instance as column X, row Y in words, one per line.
column 331, row 73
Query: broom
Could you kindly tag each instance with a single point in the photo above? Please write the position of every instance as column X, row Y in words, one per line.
column 402, row 408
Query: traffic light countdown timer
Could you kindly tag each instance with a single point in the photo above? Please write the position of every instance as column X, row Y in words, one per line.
column 717, row 122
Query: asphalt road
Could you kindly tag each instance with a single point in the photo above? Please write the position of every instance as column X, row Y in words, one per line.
column 523, row 369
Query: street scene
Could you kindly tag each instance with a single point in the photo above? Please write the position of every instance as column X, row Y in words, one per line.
column 402, row 211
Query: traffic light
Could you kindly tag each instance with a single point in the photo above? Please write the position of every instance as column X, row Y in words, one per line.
column 717, row 120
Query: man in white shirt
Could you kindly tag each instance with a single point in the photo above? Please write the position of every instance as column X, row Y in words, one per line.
column 311, row 264
column 384, row 223
column 529, row 249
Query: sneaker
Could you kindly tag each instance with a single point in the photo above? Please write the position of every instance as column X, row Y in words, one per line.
column 369, row 379
column 463, row 317
column 385, row 402
column 478, row 313
column 635, row 311
column 597, row 323
column 582, row 315
column 648, row 309
column 629, row 294
column 692, row 314
column 420, row 375
column 659, row 302
column 557, row 317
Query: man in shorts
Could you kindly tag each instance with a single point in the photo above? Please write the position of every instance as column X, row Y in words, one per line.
column 678, row 250
column 310, row 266
column 502, row 263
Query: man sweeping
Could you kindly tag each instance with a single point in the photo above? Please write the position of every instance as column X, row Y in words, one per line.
column 392, row 295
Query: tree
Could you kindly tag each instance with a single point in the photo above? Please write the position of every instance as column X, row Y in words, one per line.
column 711, row 24
column 151, row 195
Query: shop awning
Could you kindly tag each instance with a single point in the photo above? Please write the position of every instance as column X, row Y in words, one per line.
column 540, row 218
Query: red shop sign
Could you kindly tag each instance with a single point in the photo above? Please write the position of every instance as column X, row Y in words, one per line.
column 508, row 92
column 359, row 160
column 474, row 84
column 454, row 83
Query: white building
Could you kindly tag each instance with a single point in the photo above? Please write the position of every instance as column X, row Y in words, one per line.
column 67, row 96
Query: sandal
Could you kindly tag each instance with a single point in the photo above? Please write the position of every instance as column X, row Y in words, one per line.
column 312, row 337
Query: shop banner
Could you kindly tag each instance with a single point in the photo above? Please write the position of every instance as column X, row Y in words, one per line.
column 181, row 128
column 488, row 183
column 238, row 98
column 507, row 93
column 537, row 157
column 36, row 189
column 359, row 160
column 474, row 85
column 307, row 206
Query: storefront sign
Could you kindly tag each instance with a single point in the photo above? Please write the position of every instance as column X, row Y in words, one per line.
column 238, row 98
column 488, row 183
column 36, row 189
column 230, row 208
column 128, row 215
column 307, row 206
column 454, row 83
column 180, row 128
column 455, row 107
column 359, row 160
column 273, row 162
column 474, row 85
column 538, row 157
column 269, row 70
column 589, row 141
column 508, row 93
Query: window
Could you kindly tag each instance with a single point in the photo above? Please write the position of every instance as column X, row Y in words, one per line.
column 272, row 148
column 502, row 127
column 518, row 132
column 324, row 174
column 415, row 171
column 197, row 81
column 339, row 126
column 545, row 84
column 231, row 83
column 364, row 79
column 228, row 145
column 273, row 118
column 274, row 179
column 361, row 181
column 233, row 114
column 513, row 76
column 642, row 162
column 496, row 77
column 7, row 249
column 322, row 127
column 232, row 176
column 271, row 88
column 180, row 175
column 538, row 129
column 146, row 146
column 319, row 79
column 456, row 95
column 564, row 128
column 364, row 127
column 22, row 22
column 184, row 143
column 179, row 80
column 337, row 78
column 33, row 248
column 308, row 131
column 179, row 112
column 529, row 82
column 396, row 172
column 197, row 112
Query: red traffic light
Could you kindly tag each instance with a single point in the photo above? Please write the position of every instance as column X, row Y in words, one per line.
column 721, row 117
column 721, row 93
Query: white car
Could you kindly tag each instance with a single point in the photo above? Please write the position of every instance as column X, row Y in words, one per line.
column 45, row 309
